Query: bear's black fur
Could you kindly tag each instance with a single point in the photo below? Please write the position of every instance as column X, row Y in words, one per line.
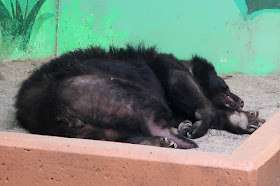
column 124, row 94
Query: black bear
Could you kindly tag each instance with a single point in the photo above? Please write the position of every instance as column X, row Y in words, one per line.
column 131, row 94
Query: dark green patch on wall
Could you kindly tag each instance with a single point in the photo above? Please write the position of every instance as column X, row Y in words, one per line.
column 256, row 5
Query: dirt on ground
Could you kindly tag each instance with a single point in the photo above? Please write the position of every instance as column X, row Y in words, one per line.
column 258, row 93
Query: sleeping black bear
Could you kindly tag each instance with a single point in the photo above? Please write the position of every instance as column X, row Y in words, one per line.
column 130, row 94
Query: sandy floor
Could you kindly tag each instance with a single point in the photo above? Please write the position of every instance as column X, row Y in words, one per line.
column 258, row 93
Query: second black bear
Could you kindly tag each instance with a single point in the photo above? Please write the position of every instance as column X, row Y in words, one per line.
column 132, row 94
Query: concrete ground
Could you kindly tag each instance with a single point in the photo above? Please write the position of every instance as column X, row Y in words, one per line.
column 258, row 93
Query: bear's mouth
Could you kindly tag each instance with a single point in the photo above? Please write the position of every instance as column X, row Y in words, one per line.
column 236, row 105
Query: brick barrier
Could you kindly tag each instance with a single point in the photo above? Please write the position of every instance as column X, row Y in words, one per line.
column 27, row 159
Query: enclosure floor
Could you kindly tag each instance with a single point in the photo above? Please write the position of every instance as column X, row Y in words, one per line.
column 258, row 93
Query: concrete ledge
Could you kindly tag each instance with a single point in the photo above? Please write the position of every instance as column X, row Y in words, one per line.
column 27, row 159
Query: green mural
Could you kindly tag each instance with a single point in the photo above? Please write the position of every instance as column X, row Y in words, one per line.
column 237, row 36
column 16, row 27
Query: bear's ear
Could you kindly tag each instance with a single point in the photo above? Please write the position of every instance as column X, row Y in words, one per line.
column 201, row 65
column 202, row 70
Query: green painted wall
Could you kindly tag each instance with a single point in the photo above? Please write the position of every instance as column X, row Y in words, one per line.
column 237, row 36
